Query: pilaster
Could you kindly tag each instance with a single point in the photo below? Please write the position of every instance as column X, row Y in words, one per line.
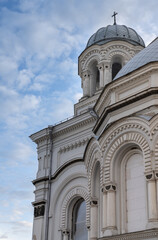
column 94, row 219
column 109, row 218
column 152, row 200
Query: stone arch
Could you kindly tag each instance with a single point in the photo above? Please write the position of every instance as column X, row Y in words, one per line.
column 73, row 194
column 123, row 140
column 92, row 56
column 92, row 156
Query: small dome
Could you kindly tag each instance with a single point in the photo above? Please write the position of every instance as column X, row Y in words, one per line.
column 115, row 32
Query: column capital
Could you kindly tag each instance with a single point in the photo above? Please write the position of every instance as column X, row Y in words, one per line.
column 109, row 187
column 85, row 74
column 103, row 65
column 156, row 175
column 150, row 176
column 65, row 232
column 94, row 202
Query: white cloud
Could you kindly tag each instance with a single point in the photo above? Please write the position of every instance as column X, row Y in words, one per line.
column 3, row 236
column 24, row 78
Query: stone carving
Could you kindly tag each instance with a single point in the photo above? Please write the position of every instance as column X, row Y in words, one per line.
column 39, row 211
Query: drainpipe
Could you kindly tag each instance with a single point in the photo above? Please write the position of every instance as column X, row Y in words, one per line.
column 50, row 129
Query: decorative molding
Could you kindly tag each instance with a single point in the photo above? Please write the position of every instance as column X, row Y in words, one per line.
column 74, row 193
column 105, row 53
column 39, row 210
column 146, row 234
column 124, row 127
column 112, row 145
column 73, row 145
column 150, row 176
column 73, row 127
column 110, row 187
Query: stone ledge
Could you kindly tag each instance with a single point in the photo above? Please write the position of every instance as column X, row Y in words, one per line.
column 146, row 234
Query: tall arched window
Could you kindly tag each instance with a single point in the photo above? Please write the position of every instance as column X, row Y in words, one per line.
column 94, row 77
column 79, row 229
column 117, row 63
column 131, row 213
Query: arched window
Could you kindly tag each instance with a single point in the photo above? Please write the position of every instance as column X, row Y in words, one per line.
column 115, row 69
column 79, row 229
column 117, row 63
column 94, row 77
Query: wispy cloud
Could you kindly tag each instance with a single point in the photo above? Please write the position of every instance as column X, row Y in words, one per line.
column 39, row 48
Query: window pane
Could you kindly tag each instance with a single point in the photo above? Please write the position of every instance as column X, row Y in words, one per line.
column 80, row 222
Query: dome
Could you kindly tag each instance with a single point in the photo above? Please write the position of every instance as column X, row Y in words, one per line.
column 144, row 57
column 115, row 32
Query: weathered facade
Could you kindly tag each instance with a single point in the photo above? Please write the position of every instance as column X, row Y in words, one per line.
column 97, row 175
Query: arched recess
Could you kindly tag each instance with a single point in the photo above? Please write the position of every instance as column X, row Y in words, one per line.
column 130, row 138
column 131, row 195
column 67, row 207
column 94, row 76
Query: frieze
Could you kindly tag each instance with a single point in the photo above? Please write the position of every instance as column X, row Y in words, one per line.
column 73, row 145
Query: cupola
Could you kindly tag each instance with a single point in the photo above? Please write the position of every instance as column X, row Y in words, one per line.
column 106, row 52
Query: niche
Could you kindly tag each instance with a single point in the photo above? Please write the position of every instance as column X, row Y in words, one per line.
column 94, row 78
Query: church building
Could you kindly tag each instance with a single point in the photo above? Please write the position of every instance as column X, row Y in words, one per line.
column 97, row 176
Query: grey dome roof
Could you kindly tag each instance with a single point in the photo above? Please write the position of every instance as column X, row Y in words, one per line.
column 145, row 56
column 115, row 32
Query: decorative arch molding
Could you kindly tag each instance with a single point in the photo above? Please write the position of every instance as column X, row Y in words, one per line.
column 93, row 58
column 124, row 55
column 122, row 48
column 93, row 155
column 92, row 146
column 70, row 196
column 154, row 125
column 123, row 140
column 130, row 124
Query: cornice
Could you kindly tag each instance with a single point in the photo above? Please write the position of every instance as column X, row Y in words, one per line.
column 58, row 171
column 135, row 77
column 123, row 103
column 73, row 127
column 146, row 234
column 63, row 128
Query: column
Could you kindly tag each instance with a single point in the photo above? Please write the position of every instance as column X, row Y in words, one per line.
column 86, row 84
column 101, row 73
column 107, row 73
column 65, row 235
column 104, row 217
column 152, row 204
column 110, row 210
column 94, row 219
column 156, row 177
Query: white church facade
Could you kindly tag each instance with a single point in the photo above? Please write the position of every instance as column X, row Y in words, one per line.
column 97, row 175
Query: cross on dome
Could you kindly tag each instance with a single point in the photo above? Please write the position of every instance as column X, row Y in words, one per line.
column 114, row 16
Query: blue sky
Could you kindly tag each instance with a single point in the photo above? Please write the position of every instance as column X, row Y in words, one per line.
column 40, row 41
